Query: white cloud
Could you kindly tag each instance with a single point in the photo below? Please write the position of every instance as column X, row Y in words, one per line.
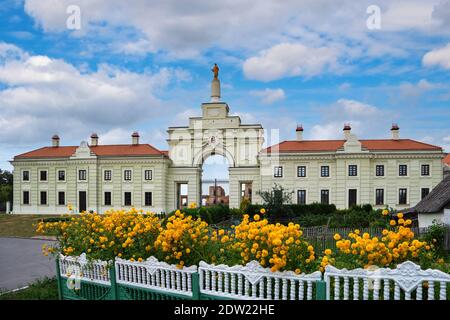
column 414, row 90
column 367, row 121
column 45, row 95
column 438, row 57
column 269, row 96
column 288, row 60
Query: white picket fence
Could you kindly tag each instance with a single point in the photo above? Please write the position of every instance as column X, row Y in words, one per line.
column 408, row 281
column 156, row 275
column 82, row 269
column 253, row 282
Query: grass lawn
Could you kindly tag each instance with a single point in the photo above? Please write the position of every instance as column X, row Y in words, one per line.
column 20, row 225
column 43, row 289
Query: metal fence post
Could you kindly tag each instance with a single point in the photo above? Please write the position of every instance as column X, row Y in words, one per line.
column 112, row 278
column 195, row 286
column 58, row 279
column 321, row 290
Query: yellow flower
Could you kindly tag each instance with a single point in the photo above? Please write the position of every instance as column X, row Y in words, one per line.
column 327, row 252
column 262, row 211
column 392, row 222
column 256, row 217
column 337, row 237
column 385, row 212
column 400, row 215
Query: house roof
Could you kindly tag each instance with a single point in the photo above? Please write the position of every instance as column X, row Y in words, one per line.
column 446, row 160
column 436, row 200
column 101, row 150
column 333, row 145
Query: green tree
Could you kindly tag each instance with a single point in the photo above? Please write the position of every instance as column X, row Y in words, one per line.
column 275, row 199
column 6, row 188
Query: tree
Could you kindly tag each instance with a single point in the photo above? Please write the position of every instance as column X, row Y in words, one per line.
column 6, row 188
column 275, row 199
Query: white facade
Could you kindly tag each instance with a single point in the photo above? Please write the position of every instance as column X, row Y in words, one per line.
column 218, row 132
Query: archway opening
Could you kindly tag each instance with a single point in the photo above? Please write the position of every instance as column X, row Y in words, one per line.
column 215, row 183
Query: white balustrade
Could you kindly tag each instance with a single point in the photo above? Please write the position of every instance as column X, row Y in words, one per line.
column 254, row 282
column 83, row 269
column 408, row 279
column 155, row 275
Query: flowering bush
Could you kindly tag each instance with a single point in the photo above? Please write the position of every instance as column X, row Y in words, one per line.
column 127, row 234
column 275, row 245
column 397, row 244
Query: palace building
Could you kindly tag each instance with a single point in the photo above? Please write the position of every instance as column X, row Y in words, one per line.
column 395, row 172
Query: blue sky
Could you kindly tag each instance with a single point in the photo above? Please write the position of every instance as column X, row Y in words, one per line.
column 145, row 65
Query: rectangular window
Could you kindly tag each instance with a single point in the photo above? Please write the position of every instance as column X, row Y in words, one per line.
column 107, row 175
column 148, row 199
column 425, row 192
column 379, row 197
column 324, row 171
column 425, row 170
column 61, row 198
column 127, row 199
column 82, row 175
column 301, row 197
column 301, row 171
column 379, row 170
column 148, row 175
column 26, row 175
column 402, row 196
column 107, row 198
column 26, row 197
column 403, row 170
column 278, row 172
column 43, row 175
column 61, row 175
column 127, row 175
column 43, row 197
column 325, row 196
column 353, row 170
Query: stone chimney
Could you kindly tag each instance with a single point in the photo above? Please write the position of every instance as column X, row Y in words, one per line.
column 395, row 131
column 55, row 140
column 299, row 132
column 135, row 138
column 347, row 131
column 94, row 140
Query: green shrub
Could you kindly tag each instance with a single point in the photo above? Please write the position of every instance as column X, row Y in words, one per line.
column 436, row 235
column 210, row 214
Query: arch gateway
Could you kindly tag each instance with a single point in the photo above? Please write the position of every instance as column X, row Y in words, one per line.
column 215, row 132
column 345, row 171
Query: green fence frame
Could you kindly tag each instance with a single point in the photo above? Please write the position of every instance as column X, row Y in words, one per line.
column 114, row 291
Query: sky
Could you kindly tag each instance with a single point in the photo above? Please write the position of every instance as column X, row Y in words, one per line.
column 146, row 65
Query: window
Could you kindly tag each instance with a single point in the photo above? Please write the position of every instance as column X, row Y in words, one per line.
column 324, row 171
column 43, row 198
column 26, row 197
column 127, row 199
column 403, row 170
column 43, row 175
column 107, row 198
column 278, row 172
column 402, row 196
column 301, row 197
column 148, row 199
column 379, row 170
column 301, row 171
column 325, row 196
column 61, row 198
column 107, row 175
column 127, row 175
column 148, row 175
column 353, row 170
column 61, row 175
column 425, row 170
column 82, row 175
column 26, row 175
column 379, row 197
column 425, row 192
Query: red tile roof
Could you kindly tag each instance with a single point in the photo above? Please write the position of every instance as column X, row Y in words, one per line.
column 447, row 160
column 333, row 145
column 102, row 150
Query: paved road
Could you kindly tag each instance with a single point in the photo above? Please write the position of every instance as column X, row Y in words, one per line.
column 22, row 262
